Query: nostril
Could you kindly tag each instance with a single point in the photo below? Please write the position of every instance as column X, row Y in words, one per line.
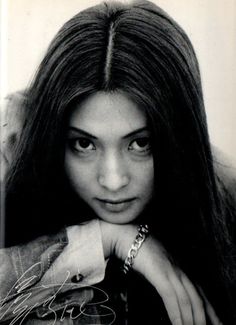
column 101, row 180
column 113, row 171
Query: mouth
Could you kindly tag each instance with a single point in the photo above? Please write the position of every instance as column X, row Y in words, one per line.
column 116, row 205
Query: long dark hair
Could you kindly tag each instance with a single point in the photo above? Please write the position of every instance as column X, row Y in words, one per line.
column 137, row 49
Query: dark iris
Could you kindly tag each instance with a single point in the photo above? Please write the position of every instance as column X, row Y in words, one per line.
column 84, row 143
column 142, row 142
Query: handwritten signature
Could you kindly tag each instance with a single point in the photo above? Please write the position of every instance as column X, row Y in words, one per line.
column 40, row 296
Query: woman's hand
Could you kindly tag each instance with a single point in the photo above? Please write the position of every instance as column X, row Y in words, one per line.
column 183, row 303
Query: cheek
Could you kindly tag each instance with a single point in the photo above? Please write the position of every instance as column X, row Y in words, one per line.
column 79, row 175
column 144, row 175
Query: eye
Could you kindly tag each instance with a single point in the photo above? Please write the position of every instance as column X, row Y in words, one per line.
column 140, row 145
column 82, row 145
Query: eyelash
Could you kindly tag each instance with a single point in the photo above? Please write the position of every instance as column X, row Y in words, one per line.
column 134, row 147
column 73, row 145
column 142, row 149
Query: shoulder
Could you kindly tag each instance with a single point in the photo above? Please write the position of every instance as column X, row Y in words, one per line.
column 12, row 118
column 225, row 167
column 12, row 110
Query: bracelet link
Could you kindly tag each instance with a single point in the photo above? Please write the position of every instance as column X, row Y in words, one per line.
column 143, row 231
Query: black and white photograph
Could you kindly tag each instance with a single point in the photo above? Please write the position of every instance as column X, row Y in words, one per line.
column 118, row 162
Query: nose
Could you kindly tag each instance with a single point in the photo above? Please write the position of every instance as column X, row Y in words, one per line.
column 113, row 174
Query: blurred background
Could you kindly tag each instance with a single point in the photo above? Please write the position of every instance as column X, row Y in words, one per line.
column 28, row 27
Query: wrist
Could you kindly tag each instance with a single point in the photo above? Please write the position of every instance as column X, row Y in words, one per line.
column 142, row 233
column 109, row 238
column 126, row 236
column 124, row 239
column 117, row 239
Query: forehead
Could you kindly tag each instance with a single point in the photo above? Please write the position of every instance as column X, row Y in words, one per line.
column 108, row 113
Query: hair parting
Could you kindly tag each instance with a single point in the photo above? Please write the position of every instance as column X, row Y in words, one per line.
column 109, row 53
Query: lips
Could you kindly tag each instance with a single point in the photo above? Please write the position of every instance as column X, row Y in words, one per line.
column 116, row 205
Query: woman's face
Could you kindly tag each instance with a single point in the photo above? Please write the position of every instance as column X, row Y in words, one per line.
column 108, row 158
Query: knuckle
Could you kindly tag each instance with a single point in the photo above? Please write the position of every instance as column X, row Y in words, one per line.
column 168, row 293
column 185, row 302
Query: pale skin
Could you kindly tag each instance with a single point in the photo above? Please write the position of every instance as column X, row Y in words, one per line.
column 109, row 163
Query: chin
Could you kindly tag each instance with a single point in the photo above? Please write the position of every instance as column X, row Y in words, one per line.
column 117, row 218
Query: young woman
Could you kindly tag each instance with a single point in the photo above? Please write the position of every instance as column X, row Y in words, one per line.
column 114, row 135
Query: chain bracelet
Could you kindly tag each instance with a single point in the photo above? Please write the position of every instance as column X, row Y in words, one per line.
column 133, row 251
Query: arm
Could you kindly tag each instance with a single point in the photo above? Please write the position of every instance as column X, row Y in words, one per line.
column 183, row 303
column 75, row 259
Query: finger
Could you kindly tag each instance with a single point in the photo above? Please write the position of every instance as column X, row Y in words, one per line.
column 184, row 301
column 196, row 301
column 210, row 310
column 170, row 301
column 212, row 315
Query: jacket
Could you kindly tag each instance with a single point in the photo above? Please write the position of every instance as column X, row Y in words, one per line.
column 52, row 280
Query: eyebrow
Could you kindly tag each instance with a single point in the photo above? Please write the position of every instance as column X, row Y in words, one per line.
column 77, row 130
